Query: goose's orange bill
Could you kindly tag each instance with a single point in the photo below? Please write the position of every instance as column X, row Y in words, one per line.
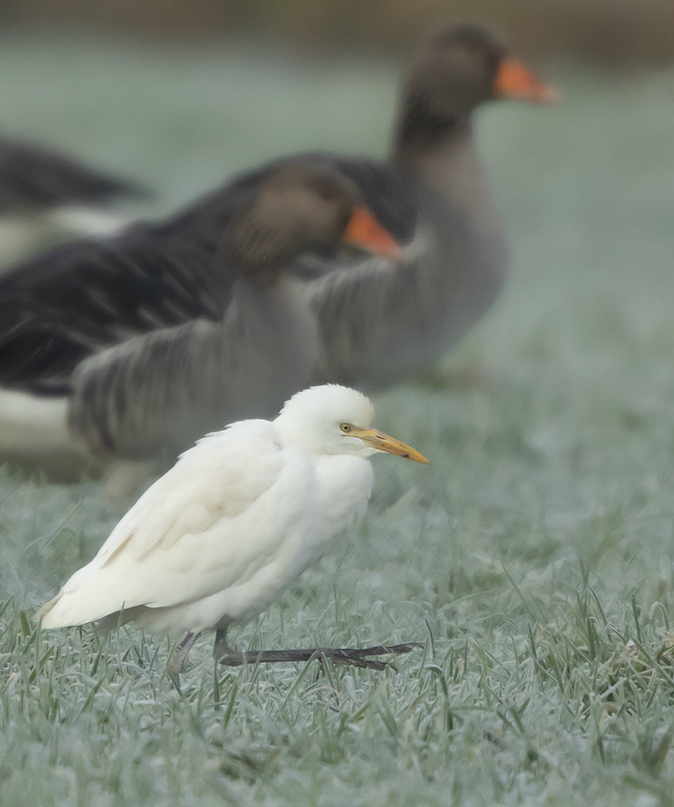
column 513, row 80
column 364, row 231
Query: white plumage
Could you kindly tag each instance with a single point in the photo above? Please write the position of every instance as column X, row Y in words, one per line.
column 239, row 517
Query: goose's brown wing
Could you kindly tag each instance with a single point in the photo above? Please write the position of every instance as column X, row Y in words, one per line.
column 83, row 297
column 59, row 308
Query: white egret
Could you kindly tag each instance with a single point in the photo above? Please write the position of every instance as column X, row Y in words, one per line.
column 239, row 517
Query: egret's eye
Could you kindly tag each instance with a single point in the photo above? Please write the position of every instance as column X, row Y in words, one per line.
column 346, row 427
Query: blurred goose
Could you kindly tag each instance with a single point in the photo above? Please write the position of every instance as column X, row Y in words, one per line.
column 155, row 394
column 44, row 194
column 379, row 321
column 81, row 297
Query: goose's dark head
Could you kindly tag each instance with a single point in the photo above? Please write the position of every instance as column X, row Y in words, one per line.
column 301, row 208
column 456, row 69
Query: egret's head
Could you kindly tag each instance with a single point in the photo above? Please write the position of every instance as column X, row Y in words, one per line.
column 336, row 420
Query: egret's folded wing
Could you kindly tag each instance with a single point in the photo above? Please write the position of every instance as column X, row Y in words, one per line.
column 220, row 514
column 271, row 530
column 222, row 475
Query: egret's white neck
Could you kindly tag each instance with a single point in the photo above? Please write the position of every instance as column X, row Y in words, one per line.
column 297, row 435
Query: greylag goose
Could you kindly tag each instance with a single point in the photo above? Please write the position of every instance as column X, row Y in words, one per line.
column 378, row 321
column 75, row 300
column 43, row 192
column 260, row 352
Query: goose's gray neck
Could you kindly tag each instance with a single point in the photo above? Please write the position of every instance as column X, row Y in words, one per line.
column 450, row 165
column 380, row 323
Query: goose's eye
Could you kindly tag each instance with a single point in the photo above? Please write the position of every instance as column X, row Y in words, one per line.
column 324, row 190
column 346, row 427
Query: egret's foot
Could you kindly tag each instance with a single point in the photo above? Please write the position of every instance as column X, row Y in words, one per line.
column 178, row 658
column 338, row 655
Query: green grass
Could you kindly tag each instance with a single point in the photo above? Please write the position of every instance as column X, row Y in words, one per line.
column 533, row 557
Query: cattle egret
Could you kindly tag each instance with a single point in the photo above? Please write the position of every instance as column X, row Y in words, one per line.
column 238, row 518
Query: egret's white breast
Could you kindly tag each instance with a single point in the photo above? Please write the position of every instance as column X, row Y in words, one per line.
column 335, row 492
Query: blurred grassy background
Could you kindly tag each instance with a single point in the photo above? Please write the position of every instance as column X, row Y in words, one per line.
column 616, row 32
column 536, row 550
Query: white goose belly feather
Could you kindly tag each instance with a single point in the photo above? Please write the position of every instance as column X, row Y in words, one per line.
column 217, row 538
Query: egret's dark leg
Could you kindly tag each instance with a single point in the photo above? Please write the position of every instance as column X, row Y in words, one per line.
column 178, row 658
column 221, row 648
column 338, row 655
